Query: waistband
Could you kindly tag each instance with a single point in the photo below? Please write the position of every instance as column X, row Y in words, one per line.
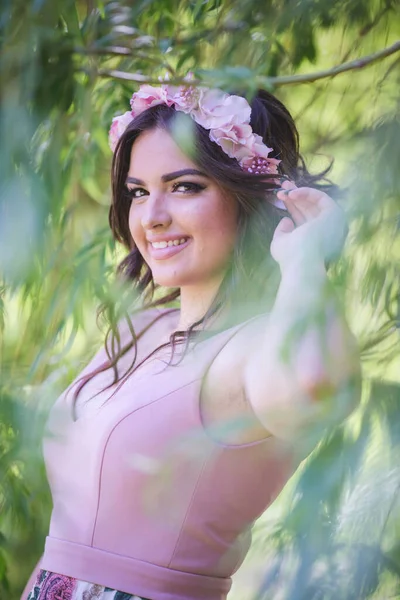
column 130, row 575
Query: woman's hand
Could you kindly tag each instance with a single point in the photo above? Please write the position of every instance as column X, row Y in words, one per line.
column 316, row 230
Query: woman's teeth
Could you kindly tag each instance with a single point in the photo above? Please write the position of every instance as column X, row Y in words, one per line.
column 167, row 244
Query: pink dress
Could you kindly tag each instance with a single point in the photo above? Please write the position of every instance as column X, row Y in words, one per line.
column 145, row 500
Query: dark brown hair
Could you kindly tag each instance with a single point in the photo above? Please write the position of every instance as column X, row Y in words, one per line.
column 252, row 277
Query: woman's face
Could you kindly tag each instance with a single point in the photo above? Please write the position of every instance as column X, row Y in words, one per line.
column 180, row 220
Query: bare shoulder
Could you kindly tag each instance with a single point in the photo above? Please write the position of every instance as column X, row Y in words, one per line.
column 223, row 400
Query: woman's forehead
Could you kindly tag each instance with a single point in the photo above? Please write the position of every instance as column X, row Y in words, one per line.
column 156, row 152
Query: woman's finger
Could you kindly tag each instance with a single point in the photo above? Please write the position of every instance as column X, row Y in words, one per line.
column 312, row 196
column 295, row 212
column 310, row 210
column 300, row 212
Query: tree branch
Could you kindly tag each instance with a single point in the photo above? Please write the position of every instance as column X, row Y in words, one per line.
column 352, row 65
column 113, row 51
column 143, row 79
column 137, row 77
column 105, row 51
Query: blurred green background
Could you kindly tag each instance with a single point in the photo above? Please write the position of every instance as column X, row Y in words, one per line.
column 66, row 68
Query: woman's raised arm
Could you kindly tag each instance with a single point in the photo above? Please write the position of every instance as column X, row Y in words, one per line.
column 304, row 371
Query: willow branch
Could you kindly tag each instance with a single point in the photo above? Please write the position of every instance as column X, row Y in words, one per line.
column 388, row 71
column 113, row 51
column 352, row 65
column 365, row 30
column 105, row 51
column 137, row 77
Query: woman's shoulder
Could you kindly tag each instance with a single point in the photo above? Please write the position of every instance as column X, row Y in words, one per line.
column 242, row 326
column 238, row 340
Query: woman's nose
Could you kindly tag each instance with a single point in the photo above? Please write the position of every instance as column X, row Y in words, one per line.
column 156, row 213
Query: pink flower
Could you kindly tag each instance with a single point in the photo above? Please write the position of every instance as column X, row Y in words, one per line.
column 217, row 110
column 57, row 587
column 185, row 98
column 260, row 165
column 258, row 147
column 258, row 160
column 149, row 96
column 234, row 140
column 118, row 126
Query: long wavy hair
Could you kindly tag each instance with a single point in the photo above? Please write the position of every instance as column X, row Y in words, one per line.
column 252, row 276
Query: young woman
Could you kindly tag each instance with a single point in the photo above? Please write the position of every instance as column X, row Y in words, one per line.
column 179, row 434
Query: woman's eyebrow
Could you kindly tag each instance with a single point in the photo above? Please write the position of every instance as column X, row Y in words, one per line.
column 134, row 180
column 168, row 176
column 176, row 174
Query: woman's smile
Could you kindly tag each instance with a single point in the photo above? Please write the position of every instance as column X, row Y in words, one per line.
column 165, row 248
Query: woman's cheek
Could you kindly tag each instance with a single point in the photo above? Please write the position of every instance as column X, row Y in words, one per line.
column 134, row 225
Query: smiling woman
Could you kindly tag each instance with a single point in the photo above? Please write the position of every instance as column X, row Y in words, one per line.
column 158, row 475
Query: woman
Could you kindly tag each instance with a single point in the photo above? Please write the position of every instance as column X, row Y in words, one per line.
column 183, row 430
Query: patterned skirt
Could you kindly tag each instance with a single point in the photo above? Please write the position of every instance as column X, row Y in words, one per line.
column 51, row 586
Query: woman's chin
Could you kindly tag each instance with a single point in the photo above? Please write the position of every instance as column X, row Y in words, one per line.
column 170, row 281
column 178, row 278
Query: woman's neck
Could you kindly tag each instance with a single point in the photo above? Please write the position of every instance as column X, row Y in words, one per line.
column 195, row 301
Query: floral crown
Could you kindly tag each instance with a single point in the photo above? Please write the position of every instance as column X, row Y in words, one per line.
column 225, row 116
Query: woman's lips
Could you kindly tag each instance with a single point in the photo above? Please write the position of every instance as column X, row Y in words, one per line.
column 163, row 253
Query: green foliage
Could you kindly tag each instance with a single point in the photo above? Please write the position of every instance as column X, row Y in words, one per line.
column 341, row 518
column 66, row 68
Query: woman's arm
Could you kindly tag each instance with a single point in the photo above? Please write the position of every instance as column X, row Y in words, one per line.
column 304, row 372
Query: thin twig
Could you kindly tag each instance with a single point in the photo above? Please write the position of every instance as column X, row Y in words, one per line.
column 365, row 30
column 111, row 51
column 137, row 77
column 105, row 51
column 388, row 71
column 362, row 33
column 89, row 7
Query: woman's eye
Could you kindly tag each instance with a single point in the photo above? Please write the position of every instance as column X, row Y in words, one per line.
column 187, row 187
column 136, row 192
